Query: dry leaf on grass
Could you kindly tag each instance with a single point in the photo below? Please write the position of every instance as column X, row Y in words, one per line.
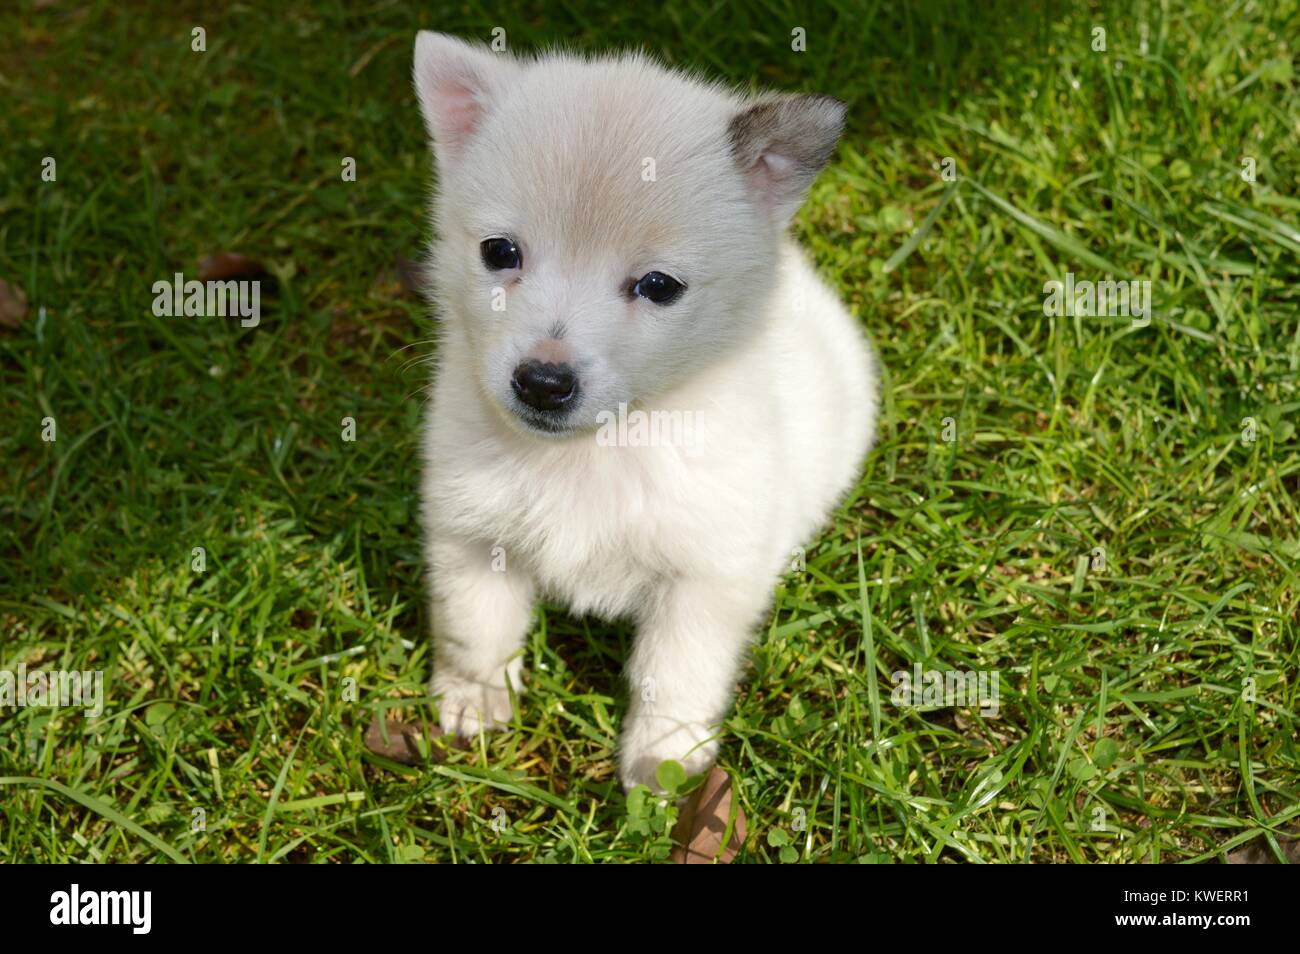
column 397, row 740
column 223, row 266
column 404, row 279
column 1258, row 852
column 13, row 304
column 703, row 824
column 411, row 275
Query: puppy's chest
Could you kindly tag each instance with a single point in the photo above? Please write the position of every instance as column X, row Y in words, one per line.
column 591, row 537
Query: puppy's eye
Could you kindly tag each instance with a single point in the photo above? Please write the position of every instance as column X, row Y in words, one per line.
column 659, row 288
column 500, row 253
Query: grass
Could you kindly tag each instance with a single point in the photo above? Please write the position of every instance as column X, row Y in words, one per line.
column 1155, row 694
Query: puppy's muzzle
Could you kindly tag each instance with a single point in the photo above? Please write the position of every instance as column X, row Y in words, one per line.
column 544, row 386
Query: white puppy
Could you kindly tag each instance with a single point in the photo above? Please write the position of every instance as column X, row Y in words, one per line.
column 645, row 398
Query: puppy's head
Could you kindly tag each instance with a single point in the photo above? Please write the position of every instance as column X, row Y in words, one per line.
column 604, row 227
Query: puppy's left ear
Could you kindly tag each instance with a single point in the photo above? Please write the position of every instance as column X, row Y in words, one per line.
column 781, row 143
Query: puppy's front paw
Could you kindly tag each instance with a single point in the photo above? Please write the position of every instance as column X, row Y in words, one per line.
column 466, row 707
column 650, row 739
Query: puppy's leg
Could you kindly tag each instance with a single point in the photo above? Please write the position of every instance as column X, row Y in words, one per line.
column 688, row 650
column 481, row 611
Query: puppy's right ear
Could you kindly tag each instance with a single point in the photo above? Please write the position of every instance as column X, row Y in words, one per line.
column 456, row 83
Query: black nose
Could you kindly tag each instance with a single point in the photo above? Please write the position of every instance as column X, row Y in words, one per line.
column 546, row 387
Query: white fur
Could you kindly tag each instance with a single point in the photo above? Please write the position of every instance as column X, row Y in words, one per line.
column 685, row 541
